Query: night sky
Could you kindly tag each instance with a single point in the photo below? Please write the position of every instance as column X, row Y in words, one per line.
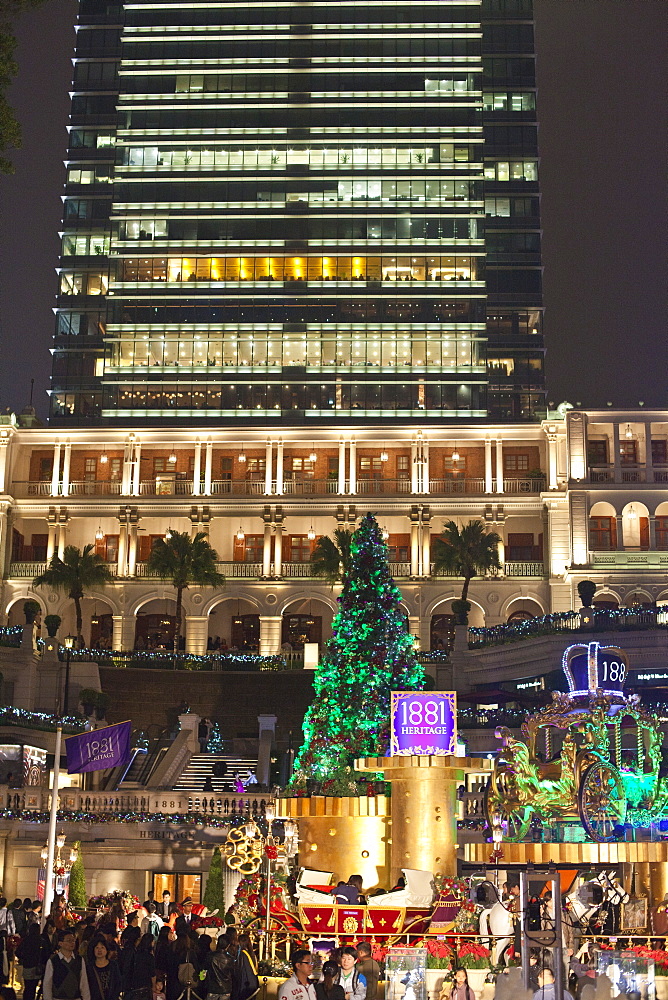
column 603, row 100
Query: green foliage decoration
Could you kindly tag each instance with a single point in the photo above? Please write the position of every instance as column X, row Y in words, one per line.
column 78, row 894
column 370, row 654
column 213, row 894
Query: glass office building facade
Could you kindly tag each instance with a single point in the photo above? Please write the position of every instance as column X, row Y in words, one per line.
column 301, row 213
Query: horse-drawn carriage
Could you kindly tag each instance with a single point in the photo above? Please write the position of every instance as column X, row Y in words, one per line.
column 594, row 754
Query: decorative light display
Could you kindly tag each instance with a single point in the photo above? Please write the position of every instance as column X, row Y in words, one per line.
column 593, row 778
column 369, row 655
column 560, row 621
column 190, row 819
column 61, row 864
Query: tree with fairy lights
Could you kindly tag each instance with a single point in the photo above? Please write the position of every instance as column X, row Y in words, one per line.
column 369, row 655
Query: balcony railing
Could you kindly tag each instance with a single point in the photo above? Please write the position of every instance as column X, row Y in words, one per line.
column 295, row 570
column 626, row 474
column 631, row 618
column 116, row 805
column 304, row 487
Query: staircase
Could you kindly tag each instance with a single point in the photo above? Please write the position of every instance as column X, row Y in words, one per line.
column 201, row 767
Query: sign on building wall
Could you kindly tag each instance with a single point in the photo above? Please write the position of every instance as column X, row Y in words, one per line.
column 424, row 723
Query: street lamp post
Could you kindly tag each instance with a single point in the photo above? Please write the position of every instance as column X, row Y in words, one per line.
column 68, row 642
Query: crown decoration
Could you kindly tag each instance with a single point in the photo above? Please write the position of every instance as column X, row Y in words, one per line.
column 590, row 667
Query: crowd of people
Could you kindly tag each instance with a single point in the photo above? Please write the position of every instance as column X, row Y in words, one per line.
column 153, row 953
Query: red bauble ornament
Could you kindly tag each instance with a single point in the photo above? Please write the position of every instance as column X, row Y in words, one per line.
column 271, row 851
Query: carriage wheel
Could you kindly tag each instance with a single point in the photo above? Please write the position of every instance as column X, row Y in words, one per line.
column 602, row 802
column 515, row 818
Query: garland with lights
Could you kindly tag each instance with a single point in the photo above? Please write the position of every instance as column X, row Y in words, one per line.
column 369, row 655
column 559, row 621
column 12, row 716
column 178, row 661
column 199, row 820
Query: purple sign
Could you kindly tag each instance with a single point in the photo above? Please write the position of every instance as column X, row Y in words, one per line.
column 424, row 723
column 100, row 748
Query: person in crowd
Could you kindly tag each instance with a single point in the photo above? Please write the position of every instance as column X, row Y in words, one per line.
column 37, row 911
column 126, row 957
column 369, row 968
column 546, row 988
column 32, row 956
column 50, row 935
column 29, row 912
column 353, row 982
column 65, row 973
column 183, row 922
column 159, row 992
column 182, row 953
column 460, row 988
column 109, row 932
column 104, row 977
column 151, row 923
column 163, row 908
column 299, row 985
column 84, row 932
column 351, row 891
column 162, row 952
column 150, row 898
column 231, row 915
column 132, row 928
column 328, row 988
column 142, row 977
column 6, row 917
column 219, row 966
column 19, row 915
column 245, row 983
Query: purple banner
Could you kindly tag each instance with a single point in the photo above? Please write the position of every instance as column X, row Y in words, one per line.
column 424, row 723
column 108, row 747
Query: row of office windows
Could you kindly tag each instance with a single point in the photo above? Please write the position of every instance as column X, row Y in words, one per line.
column 262, row 114
column 281, row 80
column 322, row 46
column 446, row 268
column 278, row 155
column 346, row 396
column 279, row 350
column 329, row 15
column 359, row 228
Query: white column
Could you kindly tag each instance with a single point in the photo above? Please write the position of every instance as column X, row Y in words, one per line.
column 426, row 549
column 649, row 467
column 278, row 551
column 197, row 634
column 425, row 468
column 124, row 632
column 51, row 541
column 552, row 462
column 652, row 532
column 126, row 481
column 197, row 469
column 4, row 453
column 66, row 469
column 414, row 468
column 55, row 474
column 352, row 468
column 489, row 478
column 616, row 457
column 136, row 479
column 132, row 548
column 279, row 467
column 268, row 467
column 122, row 544
column 62, row 537
column 501, row 549
column 208, row 464
column 415, row 550
column 342, row 467
column 499, row 465
column 270, row 634
column 266, row 551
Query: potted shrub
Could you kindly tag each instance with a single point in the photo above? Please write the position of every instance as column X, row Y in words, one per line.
column 101, row 704
column 52, row 623
column 88, row 698
column 31, row 609
column 460, row 610
column 439, row 957
column 475, row 959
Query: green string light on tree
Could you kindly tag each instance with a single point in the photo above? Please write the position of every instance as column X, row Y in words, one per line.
column 369, row 655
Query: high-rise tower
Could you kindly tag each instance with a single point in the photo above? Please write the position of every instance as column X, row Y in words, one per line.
column 275, row 214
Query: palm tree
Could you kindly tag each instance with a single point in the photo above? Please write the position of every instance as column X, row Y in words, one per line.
column 331, row 558
column 184, row 560
column 74, row 574
column 468, row 552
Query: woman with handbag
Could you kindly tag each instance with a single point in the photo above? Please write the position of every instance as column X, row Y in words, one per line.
column 142, row 980
column 104, row 978
column 32, row 955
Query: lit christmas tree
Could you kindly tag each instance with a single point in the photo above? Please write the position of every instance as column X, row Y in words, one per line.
column 369, row 655
column 215, row 742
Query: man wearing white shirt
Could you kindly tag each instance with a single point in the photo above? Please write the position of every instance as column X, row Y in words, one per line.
column 65, row 974
column 299, row 986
